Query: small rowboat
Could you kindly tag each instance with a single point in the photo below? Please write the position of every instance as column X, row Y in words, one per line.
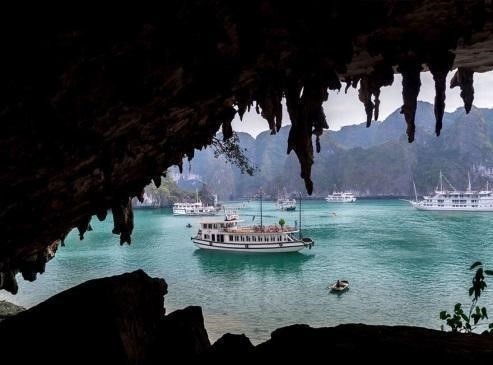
column 339, row 286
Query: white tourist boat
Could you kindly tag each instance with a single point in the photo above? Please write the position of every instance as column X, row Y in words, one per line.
column 456, row 200
column 193, row 209
column 284, row 203
column 228, row 235
column 340, row 197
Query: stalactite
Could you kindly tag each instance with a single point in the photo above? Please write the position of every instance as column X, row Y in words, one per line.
column 123, row 220
column 382, row 75
column 299, row 138
column 140, row 196
column 364, row 95
column 101, row 214
column 83, row 226
column 439, row 76
column 463, row 77
column 376, row 93
column 439, row 66
column 348, row 84
column 411, row 84
column 157, row 180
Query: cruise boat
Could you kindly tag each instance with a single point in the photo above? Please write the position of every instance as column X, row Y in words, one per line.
column 229, row 235
column 456, row 200
column 193, row 209
column 284, row 203
column 340, row 197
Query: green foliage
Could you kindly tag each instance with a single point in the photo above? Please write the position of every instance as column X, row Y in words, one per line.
column 230, row 149
column 282, row 222
column 460, row 321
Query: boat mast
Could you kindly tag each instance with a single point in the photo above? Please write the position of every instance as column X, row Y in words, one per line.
column 261, row 223
column 300, row 234
column 196, row 195
column 415, row 193
column 441, row 181
column 468, row 182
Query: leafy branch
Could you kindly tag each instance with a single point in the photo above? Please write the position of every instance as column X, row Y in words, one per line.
column 459, row 321
column 233, row 153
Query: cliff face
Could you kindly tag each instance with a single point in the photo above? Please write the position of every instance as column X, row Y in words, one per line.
column 92, row 110
column 354, row 157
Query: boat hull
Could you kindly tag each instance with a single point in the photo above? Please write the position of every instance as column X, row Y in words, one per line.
column 251, row 248
column 453, row 209
column 341, row 201
column 448, row 208
column 194, row 214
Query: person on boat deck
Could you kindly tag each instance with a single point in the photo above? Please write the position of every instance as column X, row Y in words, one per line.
column 338, row 284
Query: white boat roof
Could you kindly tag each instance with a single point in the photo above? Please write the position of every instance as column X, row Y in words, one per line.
column 212, row 221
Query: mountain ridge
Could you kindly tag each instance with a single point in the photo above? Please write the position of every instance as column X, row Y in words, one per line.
column 374, row 161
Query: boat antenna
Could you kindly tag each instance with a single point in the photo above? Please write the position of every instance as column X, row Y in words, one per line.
column 415, row 193
column 468, row 182
column 300, row 234
column 441, row 181
column 261, row 223
column 487, row 185
column 196, row 195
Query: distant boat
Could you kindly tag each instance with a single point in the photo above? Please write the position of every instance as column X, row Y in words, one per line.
column 455, row 200
column 284, row 203
column 193, row 209
column 229, row 236
column 340, row 197
column 339, row 286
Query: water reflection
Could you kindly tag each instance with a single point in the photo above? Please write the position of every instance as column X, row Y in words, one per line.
column 221, row 263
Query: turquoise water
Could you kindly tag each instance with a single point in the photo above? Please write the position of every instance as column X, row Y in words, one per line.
column 404, row 266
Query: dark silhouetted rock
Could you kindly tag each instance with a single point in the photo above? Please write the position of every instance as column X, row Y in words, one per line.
column 181, row 335
column 358, row 341
column 102, row 321
column 8, row 309
column 231, row 347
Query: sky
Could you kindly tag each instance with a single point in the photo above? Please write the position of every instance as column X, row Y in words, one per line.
column 346, row 109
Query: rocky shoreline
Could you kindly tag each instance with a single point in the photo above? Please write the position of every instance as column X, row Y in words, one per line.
column 8, row 309
column 122, row 320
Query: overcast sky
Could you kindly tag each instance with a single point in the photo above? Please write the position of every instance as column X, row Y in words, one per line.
column 345, row 109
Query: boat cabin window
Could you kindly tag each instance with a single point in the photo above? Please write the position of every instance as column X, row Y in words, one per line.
column 248, row 238
column 254, row 238
column 236, row 238
column 231, row 238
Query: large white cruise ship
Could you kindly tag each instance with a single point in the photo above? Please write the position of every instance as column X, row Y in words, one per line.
column 340, row 197
column 456, row 200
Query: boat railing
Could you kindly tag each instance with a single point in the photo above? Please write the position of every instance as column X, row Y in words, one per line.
column 259, row 229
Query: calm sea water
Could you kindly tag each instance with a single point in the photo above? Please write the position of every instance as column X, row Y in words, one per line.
column 404, row 266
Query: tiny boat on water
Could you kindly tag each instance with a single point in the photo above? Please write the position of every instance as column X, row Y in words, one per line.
column 339, row 286
column 189, row 225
